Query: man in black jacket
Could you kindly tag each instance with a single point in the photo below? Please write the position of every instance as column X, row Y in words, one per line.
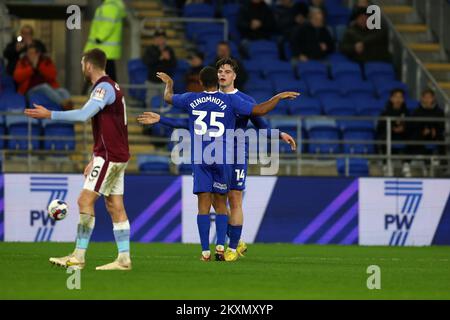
column 159, row 57
column 256, row 21
column 312, row 41
column 224, row 52
column 428, row 130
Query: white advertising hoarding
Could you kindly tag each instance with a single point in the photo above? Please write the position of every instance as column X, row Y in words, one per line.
column 256, row 198
column 26, row 199
column 400, row 212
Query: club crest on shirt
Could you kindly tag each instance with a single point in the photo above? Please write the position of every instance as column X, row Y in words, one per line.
column 99, row 94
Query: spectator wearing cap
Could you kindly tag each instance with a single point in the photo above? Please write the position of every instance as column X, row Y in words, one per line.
column 256, row 20
column 18, row 46
column 312, row 41
column 223, row 52
column 159, row 57
column 196, row 60
column 362, row 44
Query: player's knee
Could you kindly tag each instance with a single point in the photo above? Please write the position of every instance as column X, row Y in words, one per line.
column 84, row 202
column 235, row 199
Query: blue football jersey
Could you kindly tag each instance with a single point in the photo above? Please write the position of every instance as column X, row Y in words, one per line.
column 211, row 114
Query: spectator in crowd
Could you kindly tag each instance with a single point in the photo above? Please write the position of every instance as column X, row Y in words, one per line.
column 318, row 4
column 361, row 44
column 395, row 107
column 223, row 52
column 428, row 130
column 106, row 33
column 35, row 73
column 312, row 41
column 256, row 20
column 288, row 15
column 159, row 57
column 196, row 60
column 360, row 4
column 18, row 46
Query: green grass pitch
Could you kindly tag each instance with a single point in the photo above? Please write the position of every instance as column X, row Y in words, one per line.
column 269, row 271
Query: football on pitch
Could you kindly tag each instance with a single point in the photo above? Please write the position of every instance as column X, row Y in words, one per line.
column 57, row 209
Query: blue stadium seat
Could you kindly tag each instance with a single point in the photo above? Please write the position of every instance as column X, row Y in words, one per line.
column 263, row 49
column 19, row 134
column 260, row 95
column 346, row 68
column 278, row 68
column 337, row 58
column 59, row 130
column 12, row 101
column 373, row 69
column 351, row 86
column 368, row 106
column 259, row 85
column 358, row 135
column 282, row 83
column 137, row 74
column 42, row 99
column 304, row 106
column 198, row 10
column 323, row 133
column 310, row 69
column 2, row 133
column 338, row 107
column 230, row 11
column 157, row 102
column 383, row 88
column 253, row 68
column 153, row 164
column 356, row 167
column 182, row 66
column 412, row 104
column 319, row 87
column 6, row 83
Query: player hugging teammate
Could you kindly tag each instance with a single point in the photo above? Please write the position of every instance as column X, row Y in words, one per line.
column 212, row 114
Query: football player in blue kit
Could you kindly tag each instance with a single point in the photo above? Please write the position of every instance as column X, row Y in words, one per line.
column 212, row 114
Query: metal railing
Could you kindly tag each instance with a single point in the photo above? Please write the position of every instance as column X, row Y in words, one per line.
column 158, row 22
column 436, row 13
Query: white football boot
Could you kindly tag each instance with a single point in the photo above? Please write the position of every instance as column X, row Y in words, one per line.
column 68, row 261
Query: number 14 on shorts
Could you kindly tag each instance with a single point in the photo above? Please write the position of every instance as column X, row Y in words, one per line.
column 240, row 174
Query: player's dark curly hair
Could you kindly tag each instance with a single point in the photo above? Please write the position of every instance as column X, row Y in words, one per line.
column 231, row 62
column 97, row 57
column 208, row 77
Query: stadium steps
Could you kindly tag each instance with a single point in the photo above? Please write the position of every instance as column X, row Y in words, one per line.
column 174, row 30
column 420, row 39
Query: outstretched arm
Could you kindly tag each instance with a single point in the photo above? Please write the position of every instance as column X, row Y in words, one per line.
column 267, row 106
column 149, row 118
column 89, row 110
column 168, row 92
column 261, row 123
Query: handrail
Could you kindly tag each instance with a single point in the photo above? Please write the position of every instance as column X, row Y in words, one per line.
column 424, row 70
column 158, row 20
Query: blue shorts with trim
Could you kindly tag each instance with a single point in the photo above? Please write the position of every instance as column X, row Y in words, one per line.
column 214, row 178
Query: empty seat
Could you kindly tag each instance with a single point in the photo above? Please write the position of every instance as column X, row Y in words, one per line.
column 319, row 87
column 262, row 49
column 12, row 101
column 198, row 10
column 358, row 135
column 259, row 85
column 137, row 74
column 19, row 132
column 383, row 88
column 346, row 68
column 323, row 139
column 42, row 99
column 373, row 69
column 338, row 107
column 312, row 69
column 153, row 164
column 304, row 106
column 282, row 83
column 278, row 68
column 59, row 130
